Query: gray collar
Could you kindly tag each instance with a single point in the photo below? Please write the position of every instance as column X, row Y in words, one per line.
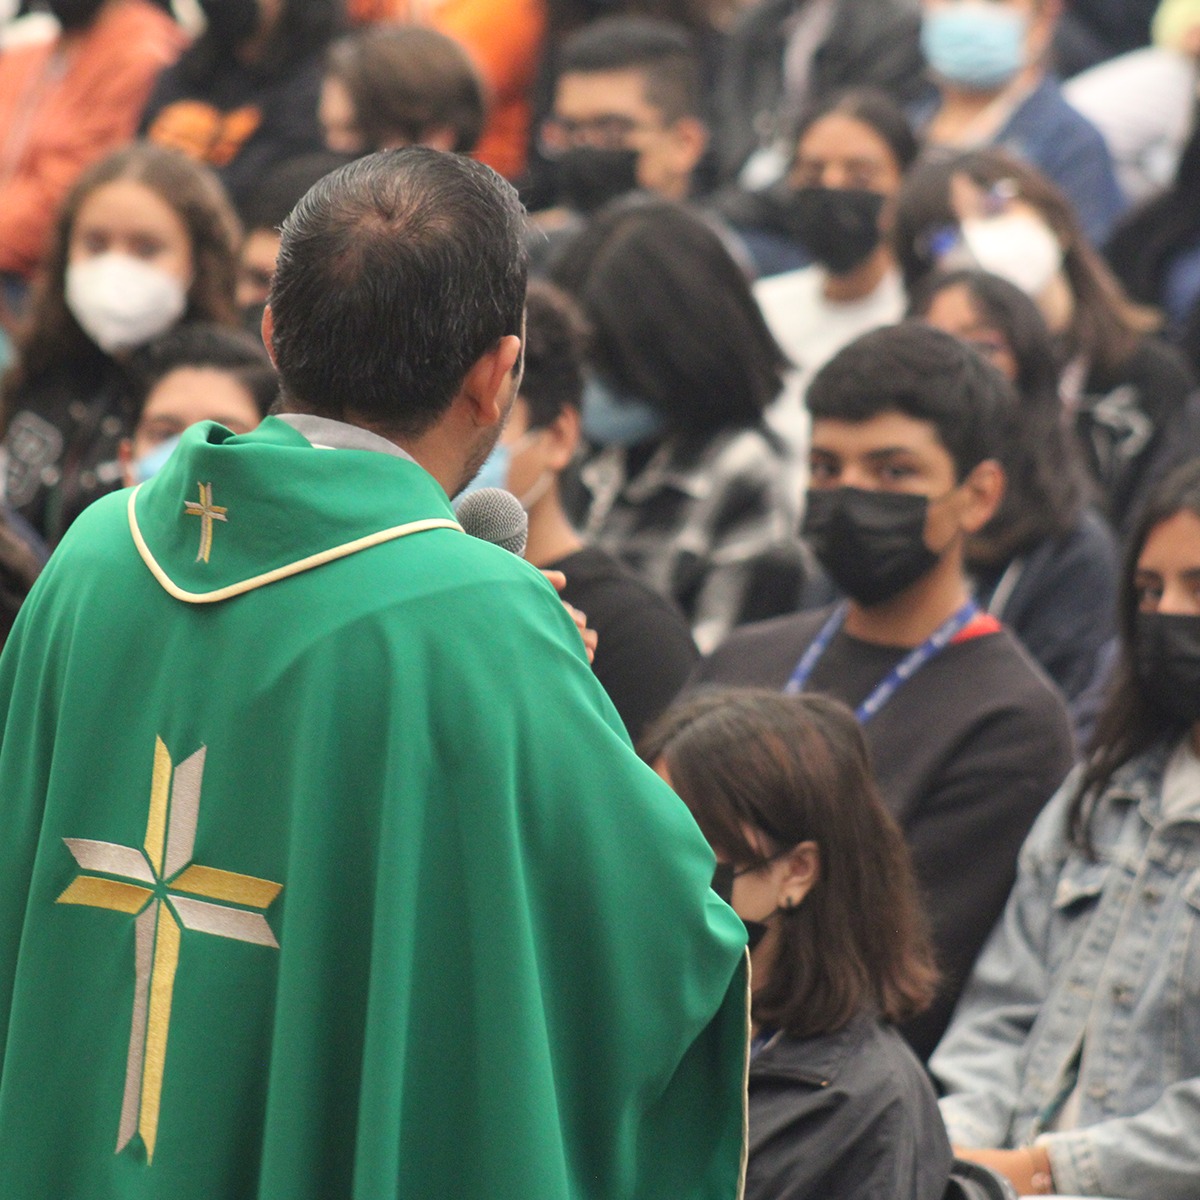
column 328, row 434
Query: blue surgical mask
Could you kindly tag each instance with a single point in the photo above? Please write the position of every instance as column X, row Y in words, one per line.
column 153, row 460
column 975, row 43
column 613, row 418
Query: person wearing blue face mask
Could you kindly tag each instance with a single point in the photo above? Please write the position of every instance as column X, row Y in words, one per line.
column 987, row 62
column 195, row 373
column 684, row 482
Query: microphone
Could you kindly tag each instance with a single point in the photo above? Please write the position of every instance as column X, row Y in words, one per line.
column 495, row 516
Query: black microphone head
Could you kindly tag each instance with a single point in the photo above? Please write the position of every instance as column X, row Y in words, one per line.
column 496, row 516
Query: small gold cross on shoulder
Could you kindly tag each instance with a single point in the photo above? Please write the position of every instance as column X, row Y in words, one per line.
column 208, row 512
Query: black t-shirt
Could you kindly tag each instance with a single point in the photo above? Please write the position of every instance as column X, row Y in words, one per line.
column 645, row 652
column 966, row 753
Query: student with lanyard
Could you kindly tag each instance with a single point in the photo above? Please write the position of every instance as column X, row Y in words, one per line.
column 968, row 738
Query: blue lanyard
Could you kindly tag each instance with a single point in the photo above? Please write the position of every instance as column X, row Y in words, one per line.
column 903, row 671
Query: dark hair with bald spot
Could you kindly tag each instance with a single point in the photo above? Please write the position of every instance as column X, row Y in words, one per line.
column 395, row 275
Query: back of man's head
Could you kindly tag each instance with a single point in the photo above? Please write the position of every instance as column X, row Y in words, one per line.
column 660, row 51
column 555, row 334
column 922, row 373
column 395, row 275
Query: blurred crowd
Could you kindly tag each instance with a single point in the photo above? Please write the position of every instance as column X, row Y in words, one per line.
column 861, row 362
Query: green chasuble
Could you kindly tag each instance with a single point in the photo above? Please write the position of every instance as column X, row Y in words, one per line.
column 327, row 870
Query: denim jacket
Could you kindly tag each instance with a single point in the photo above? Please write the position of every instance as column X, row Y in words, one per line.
column 1110, row 948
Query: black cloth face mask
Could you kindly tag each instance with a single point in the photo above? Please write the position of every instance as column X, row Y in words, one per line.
column 588, row 178
column 1166, row 656
column 871, row 543
column 839, row 227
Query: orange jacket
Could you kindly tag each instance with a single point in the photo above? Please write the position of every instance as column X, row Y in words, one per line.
column 61, row 112
column 504, row 39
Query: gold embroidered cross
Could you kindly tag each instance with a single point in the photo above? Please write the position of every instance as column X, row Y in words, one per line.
column 161, row 869
column 208, row 512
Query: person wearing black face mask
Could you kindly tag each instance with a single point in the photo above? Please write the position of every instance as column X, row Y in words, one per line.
column 818, row 871
column 1100, row 927
column 625, row 117
column 969, row 739
column 851, row 155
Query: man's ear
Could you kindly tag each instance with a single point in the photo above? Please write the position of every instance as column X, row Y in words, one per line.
column 803, row 864
column 983, row 488
column 268, row 333
column 690, row 136
column 562, row 435
column 488, row 385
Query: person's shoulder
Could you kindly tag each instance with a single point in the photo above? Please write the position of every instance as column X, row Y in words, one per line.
column 593, row 571
column 993, row 673
column 135, row 25
column 761, row 654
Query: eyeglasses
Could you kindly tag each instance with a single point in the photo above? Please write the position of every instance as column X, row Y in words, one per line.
column 608, row 131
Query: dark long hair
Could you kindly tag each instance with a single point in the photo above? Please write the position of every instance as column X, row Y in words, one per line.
column 1046, row 481
column 1106, row 325
column 673, row 318
column 794, row 769
column 52, row 340
column 1131, row 722
column 1141, row 247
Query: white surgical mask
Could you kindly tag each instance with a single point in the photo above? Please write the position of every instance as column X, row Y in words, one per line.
column 1016, row 246
column 121, row 302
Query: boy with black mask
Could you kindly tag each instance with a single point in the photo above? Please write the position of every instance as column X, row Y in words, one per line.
column 968, row 738
column 626, row 116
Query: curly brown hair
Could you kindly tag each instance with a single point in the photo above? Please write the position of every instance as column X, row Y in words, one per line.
column 51, row 339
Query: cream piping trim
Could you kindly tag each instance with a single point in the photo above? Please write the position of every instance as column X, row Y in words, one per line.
column 295, row 568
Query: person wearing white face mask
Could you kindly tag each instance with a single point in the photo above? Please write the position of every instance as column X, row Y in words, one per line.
column 645, row 652
column 145, row 240
column 987, row 64
column 1125, row 390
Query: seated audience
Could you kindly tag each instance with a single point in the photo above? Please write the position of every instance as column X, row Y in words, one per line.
column 196, row 372
column 1073, row 1061
column 504, row 41
column 645, row 653
column 68, row 101
column 626, row 115
column 968, row 738
column 263, row 211
column 1045, row 564
column 244, row 96
column 400, row 85
column 1146, row 136
column 1126, row 390
column 1156, row 250
column 685, row 484
column 785, row 55
column 851, row 155
column 814, row 864
column 988, row 63
column 145, row 240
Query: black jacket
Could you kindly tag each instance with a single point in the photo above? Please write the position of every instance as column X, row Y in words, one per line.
column 870, row 43
column 850, row 1116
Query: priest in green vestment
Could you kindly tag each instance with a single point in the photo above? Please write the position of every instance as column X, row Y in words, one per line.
column 327, row 871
